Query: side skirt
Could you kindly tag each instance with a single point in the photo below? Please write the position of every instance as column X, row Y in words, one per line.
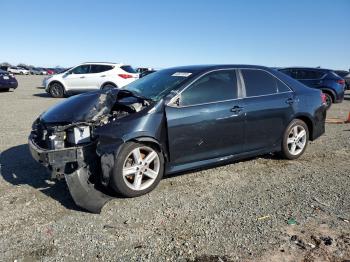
column 171, row 169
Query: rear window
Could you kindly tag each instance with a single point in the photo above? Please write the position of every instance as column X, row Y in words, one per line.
column 128, row 69
column 342, row 73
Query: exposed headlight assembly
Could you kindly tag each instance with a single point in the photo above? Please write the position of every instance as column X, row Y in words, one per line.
column 79, row 135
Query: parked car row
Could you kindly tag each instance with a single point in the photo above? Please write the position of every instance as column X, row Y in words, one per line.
column 99, row 75
column 170, row 121
column 24, row 70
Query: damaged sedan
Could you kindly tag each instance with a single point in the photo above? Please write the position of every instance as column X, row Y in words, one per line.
column 171, row 121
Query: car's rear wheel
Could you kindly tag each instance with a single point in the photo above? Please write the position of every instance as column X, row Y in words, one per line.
column 295, row 139
column 56, row 90
column 329, row 100
column 5, row 90
column 137, row 169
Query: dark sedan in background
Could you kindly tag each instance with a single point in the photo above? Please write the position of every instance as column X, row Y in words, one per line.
column 331, row 84
column 171, row 121
column 7, row 81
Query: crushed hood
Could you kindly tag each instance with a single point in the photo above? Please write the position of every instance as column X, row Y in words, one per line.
column 81, row 108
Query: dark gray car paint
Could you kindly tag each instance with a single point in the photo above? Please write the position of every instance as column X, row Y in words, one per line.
column 190, row 137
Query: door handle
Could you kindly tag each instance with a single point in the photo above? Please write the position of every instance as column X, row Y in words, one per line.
column 103, row 76
column 82, row 77
column 236, row 109
column 290, row 101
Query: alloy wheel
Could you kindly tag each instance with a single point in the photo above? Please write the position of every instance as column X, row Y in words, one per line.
column 141, row 168
column 328, row 101
column 56, row 90
column 296, row 140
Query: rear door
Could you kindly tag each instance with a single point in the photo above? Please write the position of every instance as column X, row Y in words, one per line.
column 99, row 75
column 268, row 104
column 207, row 119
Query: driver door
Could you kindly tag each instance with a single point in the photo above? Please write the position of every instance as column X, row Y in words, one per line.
column 207, row 119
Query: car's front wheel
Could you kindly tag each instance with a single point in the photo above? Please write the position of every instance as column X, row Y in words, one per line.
column 137, row 169
column 295, row 139
column 56, row 90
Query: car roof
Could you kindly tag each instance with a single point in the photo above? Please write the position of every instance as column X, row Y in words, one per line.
column 104, row 63
column 217, row 66
column 307, row 68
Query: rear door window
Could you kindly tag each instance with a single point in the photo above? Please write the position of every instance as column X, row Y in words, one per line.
column 213, row 87
column 259, row 83
column 100, row 68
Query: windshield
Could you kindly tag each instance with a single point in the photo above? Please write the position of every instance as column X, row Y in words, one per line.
column 157, row 85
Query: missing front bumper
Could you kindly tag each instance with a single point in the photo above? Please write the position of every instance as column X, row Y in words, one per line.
column 77, row 165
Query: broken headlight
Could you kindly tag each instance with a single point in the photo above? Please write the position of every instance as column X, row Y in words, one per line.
column 56, row 140
column 79, row 135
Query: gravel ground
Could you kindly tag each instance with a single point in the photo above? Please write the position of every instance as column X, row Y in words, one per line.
column 242, row 211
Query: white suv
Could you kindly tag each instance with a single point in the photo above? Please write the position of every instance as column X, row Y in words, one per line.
column 89, row 76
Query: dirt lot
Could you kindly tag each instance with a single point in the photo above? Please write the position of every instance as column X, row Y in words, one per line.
column 242, row 211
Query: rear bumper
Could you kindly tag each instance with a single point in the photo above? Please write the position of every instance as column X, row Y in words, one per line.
column 339, row 98
column 319, row 123
column 6, row 85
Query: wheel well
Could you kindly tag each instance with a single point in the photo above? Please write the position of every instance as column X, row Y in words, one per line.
column 326, row 91
column 58, row 82
column 152, row 143
column 309, row 124
column 108, row 83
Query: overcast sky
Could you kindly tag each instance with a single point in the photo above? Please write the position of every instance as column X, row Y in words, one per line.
column 169, row 33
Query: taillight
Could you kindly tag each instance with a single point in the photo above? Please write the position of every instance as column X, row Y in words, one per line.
column 341, row 81
column 323, row 98
column 125, row 76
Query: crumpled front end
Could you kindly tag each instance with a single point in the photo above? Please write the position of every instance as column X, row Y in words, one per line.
column 64, row 140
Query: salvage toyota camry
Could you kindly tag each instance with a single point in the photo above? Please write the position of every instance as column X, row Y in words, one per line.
column 173, row 120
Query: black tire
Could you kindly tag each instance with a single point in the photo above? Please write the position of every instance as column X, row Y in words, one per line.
column 286, row 151
column 329, row 100
column 117, row 181
column 56, row 90
column 5, row 90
